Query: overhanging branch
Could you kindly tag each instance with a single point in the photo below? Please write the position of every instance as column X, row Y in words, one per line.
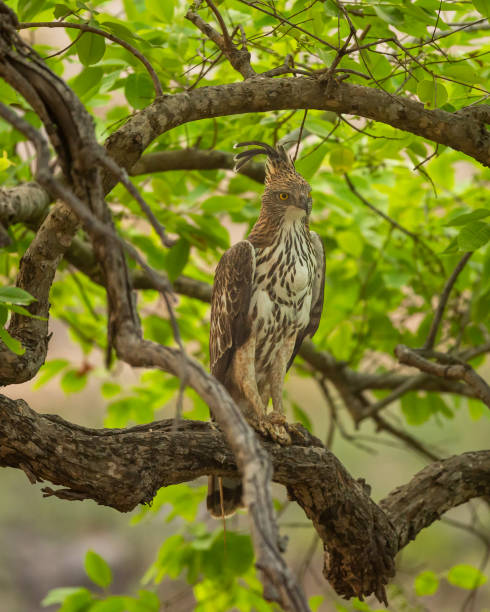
column 462, row 132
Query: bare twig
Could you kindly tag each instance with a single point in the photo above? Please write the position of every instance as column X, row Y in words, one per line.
column 394, row 223
column 300, row 134
column 255, row 6
column 436, row 321
column 453, row 372
column 238, row 58
column 122, row 176
column 410, row 441
column 87, row 28
column 408, row 385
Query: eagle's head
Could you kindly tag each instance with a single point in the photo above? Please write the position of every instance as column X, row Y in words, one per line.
column 284, row 187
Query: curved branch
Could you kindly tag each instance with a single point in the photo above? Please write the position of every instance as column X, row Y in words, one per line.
column 122, row 468
column 436, row 489
column 463, row 133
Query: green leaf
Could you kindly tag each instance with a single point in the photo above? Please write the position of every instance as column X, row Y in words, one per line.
column 77, row 602
column 222, row 204
column 300, row 415
column 416, row 409
column 15, row 295
column 479, row 213
column 340, row 340
column 90, row 48
column 234, row 560
column 310, row 162
column 12, row 344
column 49, row 371
column 463, row 72
column 139, row 90
column 350, row 242
column 483, row 7
column 120, row 30
column 23, row 311
column 341, row 159
column 5, row 162
column 4, row 313
column 97, row 569
column 116, row 603
column 28, row 9
column 380, row 67
column 73, row 381
column 473, row 236
column 61, row 10
column 163, row 10
column 146, row 602
column 60, row 594
column 84, row 82
column 177, row 258
column 426, row 583
column 110, row 389
column 389, row 14
column 476, row 408
column 432, row 93
column 315, row 602
column 466, row 577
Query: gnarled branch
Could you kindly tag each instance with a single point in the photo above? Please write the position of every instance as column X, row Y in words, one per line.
column 122, row 468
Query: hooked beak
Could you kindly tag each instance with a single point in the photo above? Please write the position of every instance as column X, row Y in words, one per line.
column 307, row 203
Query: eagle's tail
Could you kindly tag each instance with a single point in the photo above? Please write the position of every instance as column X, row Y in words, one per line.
column 224, row 496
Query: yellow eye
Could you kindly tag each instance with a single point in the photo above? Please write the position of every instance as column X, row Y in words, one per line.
column 284, row 196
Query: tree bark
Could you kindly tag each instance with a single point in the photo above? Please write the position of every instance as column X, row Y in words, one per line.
column 122, row 468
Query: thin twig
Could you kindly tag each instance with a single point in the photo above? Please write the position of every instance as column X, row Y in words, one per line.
column 61, row 51
column 436, row 321
column 300, row 134
column 87, row 28
column 410, row 384
column 452, row 372
column 122, row 176
column 392, row 222
column 293, row 25
column 222, row 24
column 409, row 440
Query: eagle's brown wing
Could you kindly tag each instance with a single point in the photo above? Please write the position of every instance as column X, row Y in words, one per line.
column 232, row 290
column 316, row 298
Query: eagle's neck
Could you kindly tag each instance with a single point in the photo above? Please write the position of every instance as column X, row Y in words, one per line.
column 270, row 229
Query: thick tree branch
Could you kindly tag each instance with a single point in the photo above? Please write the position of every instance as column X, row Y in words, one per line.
column 462, row 133
column 26, row 203
column 122, row 468
column 436, row 489
column 36, row 273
